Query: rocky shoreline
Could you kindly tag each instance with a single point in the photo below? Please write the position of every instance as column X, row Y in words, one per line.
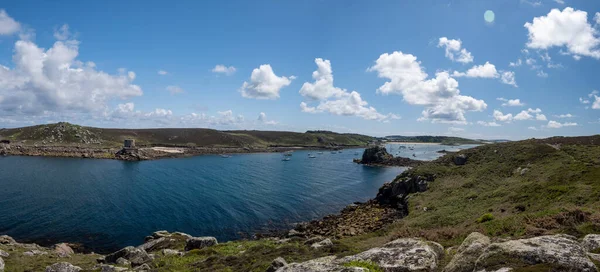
column 142, row 153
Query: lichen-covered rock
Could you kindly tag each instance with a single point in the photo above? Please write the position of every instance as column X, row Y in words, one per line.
column 4, row 253
column 406, row 254
column 200, row 242
column 143, row 267
column 560, row 252
column 591, row 242
column 276, row 264
column 34, row 252
column 63, row 250
column 111, row 268
column 62, row 267
column 326, row 243
column 1, row 264
column 468, row 252
column 157, row 244
column 123, row 261
column 171, row 252
column 136, row 256
column 7, row 240
column 324, row 264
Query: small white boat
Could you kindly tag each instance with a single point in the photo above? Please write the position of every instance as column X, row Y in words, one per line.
column 286, row 159
column 320, row 153
column 312, row 156
column 225, row 156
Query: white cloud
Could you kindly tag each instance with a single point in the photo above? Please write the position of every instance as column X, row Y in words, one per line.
column 568, row 115
column 8, row 25
column 499, row 116
column 554, row 124
column 486, row 70
column 344, row 102
column 454, row 51
column 541, row 73
column 526, row 115
column 595, row 100
column 455, row 129
column 262, row 118
column 175, row 89
column 62, row 33
column 162, row 72
column 533, row 3
column 54, row 80
column 511, row 102
column 264, row 83
column 533, row 128
column 440, row 95
column 220, row 68
column 517, row 63
column 569, row 28
column 562, row 2
column 508, row 77
column 323, row 87
column 488, row 124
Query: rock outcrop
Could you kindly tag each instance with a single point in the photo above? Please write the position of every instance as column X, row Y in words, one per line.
column 591, row 242
column 1, row 265
column 63, row 267
column 468, row 252
column 407, row 254
column 553, row 252
column 396, row 192
column 460, row 159
column 276, row 264
column 63, row 250
column 200, row 242
column 378, row 155
column 136, row 256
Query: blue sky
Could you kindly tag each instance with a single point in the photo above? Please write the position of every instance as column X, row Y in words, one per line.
column 382, row 67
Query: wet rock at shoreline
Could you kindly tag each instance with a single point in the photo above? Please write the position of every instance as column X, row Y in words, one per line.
column 200, row 242
column 63, row 267
column 378, row 156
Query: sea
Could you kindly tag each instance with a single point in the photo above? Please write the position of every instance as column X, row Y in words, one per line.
column 105, row 205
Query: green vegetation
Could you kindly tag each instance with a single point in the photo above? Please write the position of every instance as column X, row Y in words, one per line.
column 372, row 267
column 17, row 262
column 433, row 139
column 486, row 217
column 64, row 134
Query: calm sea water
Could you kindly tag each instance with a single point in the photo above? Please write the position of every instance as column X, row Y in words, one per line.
column 108, row 204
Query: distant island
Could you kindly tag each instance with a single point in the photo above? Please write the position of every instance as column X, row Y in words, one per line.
column 69, row 140
column 445, row 140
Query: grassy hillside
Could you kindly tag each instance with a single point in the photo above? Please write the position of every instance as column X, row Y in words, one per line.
column 432, row 139
column 70, row 134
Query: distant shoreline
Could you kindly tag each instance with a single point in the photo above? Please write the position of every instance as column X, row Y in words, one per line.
column 414, row 143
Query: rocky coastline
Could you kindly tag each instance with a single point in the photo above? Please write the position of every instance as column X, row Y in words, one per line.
column 141, row 153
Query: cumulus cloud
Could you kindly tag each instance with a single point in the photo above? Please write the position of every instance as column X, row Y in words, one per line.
column 554, row 124
column 499, row 116
column 323, row 87
column 527, row 115
column 488, row 124
column 508, row 77
column 440, row 95
column 175, row 89
column 567, row 28
column 541, row 73
column 54, row 80
column 486, row 70
column 222, row 69
column 62, row 33
column 264, row 83
column 8, row 25
column 511, row 102
column 454, row 51
column 568, row 115
column 517, row 63
column 262, row 118
column 162, row 72
column 336, row 100
column 562, row 2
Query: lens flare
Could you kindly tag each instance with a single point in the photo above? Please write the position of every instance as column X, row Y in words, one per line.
column 489, row 16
